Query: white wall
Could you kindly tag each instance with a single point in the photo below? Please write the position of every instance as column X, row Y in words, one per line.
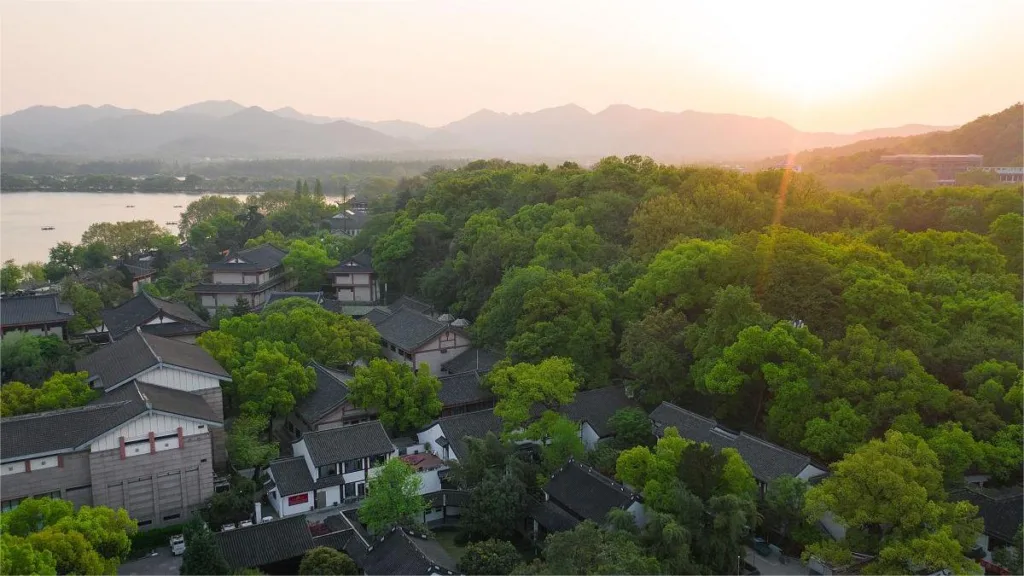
column 333, row 495
column 446, row 346
column 355, row 294
column 431, row 435
column 589, row 436
column 177, row 379
column 140, row 427
column 280, row 501
column 809, row 472
column 299, row 449
column 429, row 481
column 639, row 513
column 227, row 278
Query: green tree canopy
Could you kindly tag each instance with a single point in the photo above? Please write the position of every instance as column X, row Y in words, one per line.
column 325, row 560
column 403, row 399
column 490, row 556
column 392, row 497
column 519, row 387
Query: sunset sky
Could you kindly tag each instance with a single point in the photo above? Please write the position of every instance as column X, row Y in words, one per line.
column 818, row 65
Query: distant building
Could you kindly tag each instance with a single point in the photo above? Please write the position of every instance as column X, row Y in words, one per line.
column 354, row 280
column 945, row 166
column 410, row 334
column 249, row 275
column 153, row 316
column 348, row 222
column 36, row 315
column 1008, row 174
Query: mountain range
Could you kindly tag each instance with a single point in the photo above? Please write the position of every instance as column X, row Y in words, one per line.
column 226, row 129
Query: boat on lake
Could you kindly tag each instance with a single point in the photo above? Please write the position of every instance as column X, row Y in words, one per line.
column 177, row 205
column 129, row 206
column 170, row 223
column 47, row 228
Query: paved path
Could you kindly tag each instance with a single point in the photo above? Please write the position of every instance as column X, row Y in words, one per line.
column 164, row 563
column 771, row 566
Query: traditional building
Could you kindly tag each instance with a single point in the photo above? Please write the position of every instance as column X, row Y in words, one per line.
column 354, row 280
column 142, row 447
column 326, row 407
column 575, row 493
column 154, row 316
column 592, row 409
column 339, row 460
column 402, row 551
column 38, row 315
column 415, row 338
column 446, row 436
column 463, row 393
column 249, row 275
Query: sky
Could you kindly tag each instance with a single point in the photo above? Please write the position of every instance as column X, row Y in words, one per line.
column 817, row 65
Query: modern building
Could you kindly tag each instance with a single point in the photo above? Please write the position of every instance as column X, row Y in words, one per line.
column 1008, row 174
column 766, row 460
column 141, row 447
column 154, row 316
column 354, row 280
column 249, row 275
column 38, row 315
column 945, row 166
column 162, row 362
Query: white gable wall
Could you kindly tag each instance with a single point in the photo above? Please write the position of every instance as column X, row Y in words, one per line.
column 589, row 436
column 431, row 435
column 178, row 379
column 441, row 349
column 139, row 429
column 810, row 471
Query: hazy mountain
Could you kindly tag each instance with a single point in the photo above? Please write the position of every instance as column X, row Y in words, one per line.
column 228, row 129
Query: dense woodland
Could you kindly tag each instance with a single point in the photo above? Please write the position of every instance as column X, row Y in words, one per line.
column 877, row 331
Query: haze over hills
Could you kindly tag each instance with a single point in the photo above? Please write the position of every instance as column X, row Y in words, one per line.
column 227, row 129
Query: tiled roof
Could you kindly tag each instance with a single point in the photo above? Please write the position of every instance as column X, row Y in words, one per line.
column 462, row 389
column 207, row 288
column 412, row 304
column 339, row 540
column 347, row 443
column 409, row 329
column 475, row 424
column 63, row 430
column 30, row 310
column 377, row 315
column 597, row 406
column 291, row 476
column 143, row 308
column 265, row 543
column 360, row 263
column 139, row 271
column 278, row 296
column 551, row 517
column 1002, row 511
column 767, row 461
column 134, row 353
column 330, row 392
column 399, row 552
column 262, row 257
column 473, row 358
column 586, row 493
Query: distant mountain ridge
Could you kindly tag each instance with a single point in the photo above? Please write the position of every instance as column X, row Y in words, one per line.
column 227, row 129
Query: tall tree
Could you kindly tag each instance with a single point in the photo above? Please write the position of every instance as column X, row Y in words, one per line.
column 323, row 560
column 11, row 276
column 308, row 263
column 403, row 399
column 519, row 387
column 392, row 497
column 490, row 556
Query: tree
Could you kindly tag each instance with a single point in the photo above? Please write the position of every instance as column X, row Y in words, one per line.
column 588, row 549
column 202, row 554
column 1006, row 233
column 737, row 477
column 559, row 438
column 403, row 399
column 33, row 359
column 11, row 276
column 632, row 427
column 17, row 556
column 392, row 497
column 784, row 501
column 60, row 391
column 324, row 560
column 496, row 507
column 242, row 307
column 519, row 387
column 206, row 208
column 124, row 239
column 308, row 263
column 272, row 382
column 85, row 303
column 654, row 349
column 489, row 557
column 246, row 445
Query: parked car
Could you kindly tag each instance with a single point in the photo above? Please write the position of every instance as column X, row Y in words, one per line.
column 760, row 545
column 177, row 544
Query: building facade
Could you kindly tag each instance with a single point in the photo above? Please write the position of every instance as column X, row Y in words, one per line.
column 37, row 315
column 354, row 280
column 249, row 275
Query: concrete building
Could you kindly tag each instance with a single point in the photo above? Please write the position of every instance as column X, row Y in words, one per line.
column 249, row 274
column 142, row 447
column 38, row 315
column 1008, row 174
column 945, row 166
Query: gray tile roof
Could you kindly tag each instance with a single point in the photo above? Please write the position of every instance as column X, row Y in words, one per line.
column 462, row 389
column 475, row 424
column 376, row 315
column 473, row 358
column 291, row 476
column 339, row 540
column 123, row 360
column 360, row 263
column 347, row 443
column 412, row 304
column 265, row 543
column 551, row 517
column 597, row 406
column 1002, row 511
column 31, row 310
column 586, row 493
column 766, row 460
column 330, row 393
column 143, row 308
column 408, row 329
column 262, row 257
column 64, row 430
column 399, row 552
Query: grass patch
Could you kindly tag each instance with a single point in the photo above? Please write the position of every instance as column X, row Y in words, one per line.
column 446, row 538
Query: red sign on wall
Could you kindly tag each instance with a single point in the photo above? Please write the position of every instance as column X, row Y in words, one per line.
column 298, row 499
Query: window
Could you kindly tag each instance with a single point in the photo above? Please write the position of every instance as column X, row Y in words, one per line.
column 9, row 505
column 172, row 517
column 144, row 523
column 55, row 495
column 354, row 465
column 350, row 490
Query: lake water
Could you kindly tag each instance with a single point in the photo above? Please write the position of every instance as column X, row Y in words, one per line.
column 23, row 214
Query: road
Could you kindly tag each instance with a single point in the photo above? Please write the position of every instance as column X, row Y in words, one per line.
column 771, row 565
column 163, row 563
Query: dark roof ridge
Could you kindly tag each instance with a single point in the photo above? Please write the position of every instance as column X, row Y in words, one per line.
column 773, row 445
column 159, row 360
column 700, row 416
column 596, row 475
column 59, row 411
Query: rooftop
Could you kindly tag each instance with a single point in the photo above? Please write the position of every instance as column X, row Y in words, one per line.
column 291, row 475
column 409, row 329
column 330, row 392
column 597, row 406
column 479, row 359
column 586, row 493
column 137, row 352
column 462, row 389
column 767, row 461
column 404, row 552
column 265, row 543
column 475, row 425
column 258, row 258
column 347, row 443
column 142, row 308
column 1002, row 510
column 360, row 263
column 31, row 310
column 422, row 462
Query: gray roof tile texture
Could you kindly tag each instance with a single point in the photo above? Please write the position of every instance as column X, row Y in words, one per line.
column 473, row 358
column 1002, row 511
column 347, row 443
column 462, row 389
column 330, row 392
column 398, row 552
column 587, row 494
column 134, row 353
column 475, row 424
column 767, row 461
column 265, row 543
column 409, row 329
column 262, row 257
column 143, row 308
column 291, row 476
column 28, row 310
column 360, row 263
column 597, row 406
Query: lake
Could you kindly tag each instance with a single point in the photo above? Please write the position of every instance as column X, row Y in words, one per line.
column 23, row 214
